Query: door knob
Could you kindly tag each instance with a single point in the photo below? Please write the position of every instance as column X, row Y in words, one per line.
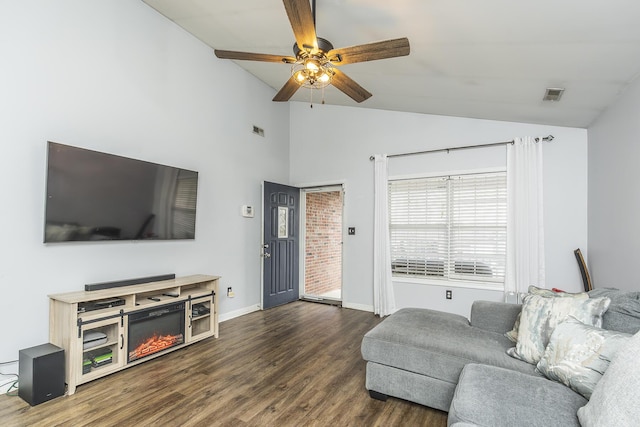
column 265, row 254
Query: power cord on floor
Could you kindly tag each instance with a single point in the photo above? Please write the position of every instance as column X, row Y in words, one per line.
column 13, row 388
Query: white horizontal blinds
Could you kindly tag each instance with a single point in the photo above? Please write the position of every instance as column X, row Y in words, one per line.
column 449, row 227
column 418, row 226
column 478, row 227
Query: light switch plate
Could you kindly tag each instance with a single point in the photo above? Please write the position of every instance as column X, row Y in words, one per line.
column 247, row 211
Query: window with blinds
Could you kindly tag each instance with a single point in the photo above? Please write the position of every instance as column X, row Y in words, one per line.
column 449, row 228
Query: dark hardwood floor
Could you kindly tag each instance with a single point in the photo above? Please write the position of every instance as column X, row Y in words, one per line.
column 294, row 365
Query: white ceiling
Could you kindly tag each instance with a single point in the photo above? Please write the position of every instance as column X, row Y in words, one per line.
column 490, row 59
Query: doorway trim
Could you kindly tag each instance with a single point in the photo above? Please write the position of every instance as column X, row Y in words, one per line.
column 319, row 188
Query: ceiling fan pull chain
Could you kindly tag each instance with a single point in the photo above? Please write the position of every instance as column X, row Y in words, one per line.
column 311, row 98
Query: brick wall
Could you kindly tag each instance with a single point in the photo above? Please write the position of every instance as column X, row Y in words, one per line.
column 323, row 249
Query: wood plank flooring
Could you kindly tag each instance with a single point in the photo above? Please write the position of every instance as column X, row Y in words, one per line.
column 294, row 365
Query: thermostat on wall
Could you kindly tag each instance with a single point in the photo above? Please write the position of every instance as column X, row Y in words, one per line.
column 247, row 211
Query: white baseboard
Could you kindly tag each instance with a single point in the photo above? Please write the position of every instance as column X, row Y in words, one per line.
column 237, row 313
column 241, row 312
column 361, row 307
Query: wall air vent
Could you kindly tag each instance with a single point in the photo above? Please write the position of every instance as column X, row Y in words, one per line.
column 553, row 94
column 258, row 131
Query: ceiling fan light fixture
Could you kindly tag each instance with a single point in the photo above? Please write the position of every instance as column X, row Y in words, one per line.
column 299, row 76
column 311, row 73
column 312, row 65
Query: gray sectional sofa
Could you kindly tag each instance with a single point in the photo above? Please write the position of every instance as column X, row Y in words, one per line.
column 461, row 366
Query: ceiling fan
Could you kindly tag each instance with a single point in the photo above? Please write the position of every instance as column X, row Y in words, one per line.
column 315, row 60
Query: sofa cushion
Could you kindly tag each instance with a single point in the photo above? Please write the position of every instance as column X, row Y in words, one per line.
column 614, row 401
column 492, row 396
column 578, row 354
column 494, row 316
column 436, row 344
column 624, row 311
column 540, row 316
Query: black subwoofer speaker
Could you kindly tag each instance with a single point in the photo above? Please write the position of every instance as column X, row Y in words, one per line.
column 41, row 370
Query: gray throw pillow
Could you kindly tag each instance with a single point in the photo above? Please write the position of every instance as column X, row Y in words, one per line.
column 624, row 312
column 614, row 402
column 541, row 315
column 578, row 354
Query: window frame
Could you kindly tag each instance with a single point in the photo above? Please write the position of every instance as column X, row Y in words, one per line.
column 449, row 282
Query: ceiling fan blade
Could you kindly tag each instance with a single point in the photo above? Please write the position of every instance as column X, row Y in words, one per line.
column 247, row 56
column 347, row 85
column 287, row 91
column 369, row 52
column 301, row 19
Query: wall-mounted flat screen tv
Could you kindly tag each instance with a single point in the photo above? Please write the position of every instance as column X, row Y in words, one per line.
column 94, row 196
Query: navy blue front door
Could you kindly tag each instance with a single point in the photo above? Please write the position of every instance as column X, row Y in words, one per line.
column 280, row 244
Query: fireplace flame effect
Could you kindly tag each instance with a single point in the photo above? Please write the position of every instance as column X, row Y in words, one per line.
column 155, row 344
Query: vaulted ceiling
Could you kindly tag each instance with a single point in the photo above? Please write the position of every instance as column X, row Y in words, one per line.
column 489, row 59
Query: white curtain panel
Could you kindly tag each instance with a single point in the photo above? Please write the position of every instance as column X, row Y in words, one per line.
column 525, row 228
column 383, row 297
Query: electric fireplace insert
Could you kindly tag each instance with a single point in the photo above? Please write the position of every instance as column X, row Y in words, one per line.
column 154, row 330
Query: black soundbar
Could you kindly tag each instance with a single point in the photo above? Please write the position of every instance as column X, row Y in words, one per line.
column 129, row 282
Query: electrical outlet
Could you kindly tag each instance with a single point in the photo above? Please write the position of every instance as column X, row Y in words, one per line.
column 230, row 292
column 449, row 294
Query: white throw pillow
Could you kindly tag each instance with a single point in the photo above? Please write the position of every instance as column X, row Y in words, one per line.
column 578, row 354
column 534, row 290
column 540, row 316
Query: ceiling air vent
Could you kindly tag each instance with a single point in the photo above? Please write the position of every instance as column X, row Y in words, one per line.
column 553, row 94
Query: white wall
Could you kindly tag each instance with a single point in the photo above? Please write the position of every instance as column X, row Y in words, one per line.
column 116, row 76
column 614, row 193
column 350, row 135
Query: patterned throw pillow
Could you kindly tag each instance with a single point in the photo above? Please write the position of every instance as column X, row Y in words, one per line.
column 541, row 315
column 534, row 290
column 579, row 354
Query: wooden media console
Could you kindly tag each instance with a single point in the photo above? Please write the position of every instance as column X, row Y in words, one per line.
column 107, row 330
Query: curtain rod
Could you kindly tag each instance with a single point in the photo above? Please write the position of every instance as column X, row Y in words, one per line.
column 466, row 147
